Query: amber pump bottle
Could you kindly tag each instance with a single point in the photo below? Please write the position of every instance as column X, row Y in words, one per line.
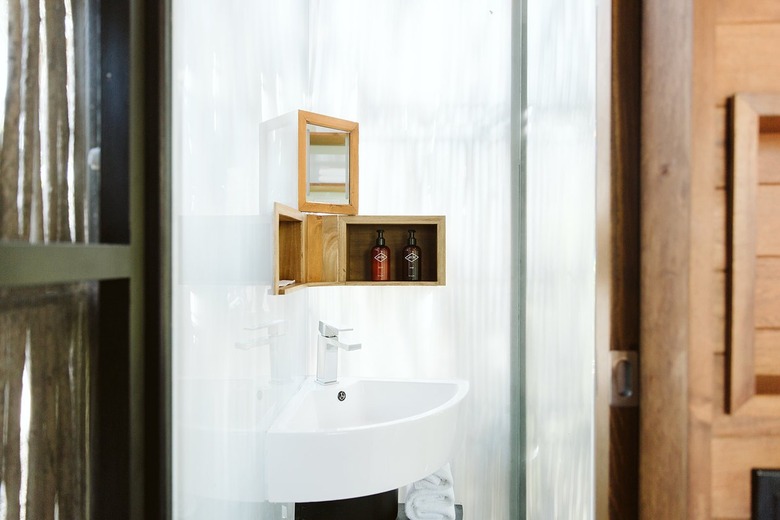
column 412, row 257
column 380, row 258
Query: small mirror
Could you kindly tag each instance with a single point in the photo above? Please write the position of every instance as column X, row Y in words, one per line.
column 327, row 164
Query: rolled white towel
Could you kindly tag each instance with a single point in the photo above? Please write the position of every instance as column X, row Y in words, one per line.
column 432, row 498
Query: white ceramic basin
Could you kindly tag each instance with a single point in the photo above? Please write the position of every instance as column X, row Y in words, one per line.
column 384, row 435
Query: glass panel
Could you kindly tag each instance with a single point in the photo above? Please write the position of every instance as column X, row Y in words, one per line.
column 49, row 160
column 45, row 344
column 429, row 83
column 560, row 207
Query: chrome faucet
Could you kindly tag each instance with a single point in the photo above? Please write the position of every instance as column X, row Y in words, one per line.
column 328, row 346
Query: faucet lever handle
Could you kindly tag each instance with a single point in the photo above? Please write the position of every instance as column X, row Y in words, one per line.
column 349, row 347
column 331, row 331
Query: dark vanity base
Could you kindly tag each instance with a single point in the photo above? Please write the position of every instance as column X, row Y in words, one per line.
column 382, row 506
column 402, row 512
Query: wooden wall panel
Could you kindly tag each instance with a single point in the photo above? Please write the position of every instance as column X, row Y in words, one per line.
column 767, row 293
column 769, row 157
column 768, row 220
column 726, row 425
column 746, row 59
column 744, row 11
column 743, row 51
column 767, row 353
column 747, row 36
column 731, row 472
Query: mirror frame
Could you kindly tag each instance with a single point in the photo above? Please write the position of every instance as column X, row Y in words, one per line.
column 343, row 125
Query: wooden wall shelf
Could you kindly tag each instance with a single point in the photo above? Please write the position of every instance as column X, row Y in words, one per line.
column 316, row 250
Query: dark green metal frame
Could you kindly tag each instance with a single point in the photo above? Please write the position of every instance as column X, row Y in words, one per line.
column 130, row 429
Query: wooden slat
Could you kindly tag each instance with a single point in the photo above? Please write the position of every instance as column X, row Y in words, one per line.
column 770, row 124
column 665, row 201
column 767, row 352
column 728, row 425
column 330, row 249
column 768, row 385
column 720, row 165
column 767, row 293
column 746, row 59
column 322, row 251
column 313, row 259
column 743, row 246
column 717, row 309
column 768, row 220
column 761, row 405
column 769, row 157
column 702, row 266
column 733, row 458
column 741, row 11
column 721, row 223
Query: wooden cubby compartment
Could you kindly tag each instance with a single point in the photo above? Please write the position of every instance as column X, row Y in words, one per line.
column 360, row 234
column 289, row 232
column 335, row 249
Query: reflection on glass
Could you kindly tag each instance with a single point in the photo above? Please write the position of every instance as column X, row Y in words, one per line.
column 327, row 164
column 327, row 156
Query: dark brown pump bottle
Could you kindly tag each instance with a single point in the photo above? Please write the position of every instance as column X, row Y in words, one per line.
column 411, row 258
column 380, row 258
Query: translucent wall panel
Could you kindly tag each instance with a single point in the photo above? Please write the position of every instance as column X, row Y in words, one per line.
column 560, row 208
column 238, row 351
column 429, row 83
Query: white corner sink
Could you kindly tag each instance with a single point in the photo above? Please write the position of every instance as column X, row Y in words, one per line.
column 383, row 435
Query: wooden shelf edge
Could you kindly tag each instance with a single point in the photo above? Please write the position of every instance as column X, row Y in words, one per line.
column 295, row 287
column 286, row 213
column 394, row 219
column 392, row 283
column 290, row 288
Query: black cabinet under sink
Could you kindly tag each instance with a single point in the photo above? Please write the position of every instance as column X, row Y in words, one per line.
column 382, row 506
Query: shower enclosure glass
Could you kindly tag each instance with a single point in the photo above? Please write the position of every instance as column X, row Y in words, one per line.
column 433, row 87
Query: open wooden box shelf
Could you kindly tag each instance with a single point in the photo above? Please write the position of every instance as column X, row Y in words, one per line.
column 360, row 233
column 335, row 249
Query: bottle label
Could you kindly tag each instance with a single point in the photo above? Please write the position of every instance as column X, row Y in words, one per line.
column 381, row 257
column 412, row 257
